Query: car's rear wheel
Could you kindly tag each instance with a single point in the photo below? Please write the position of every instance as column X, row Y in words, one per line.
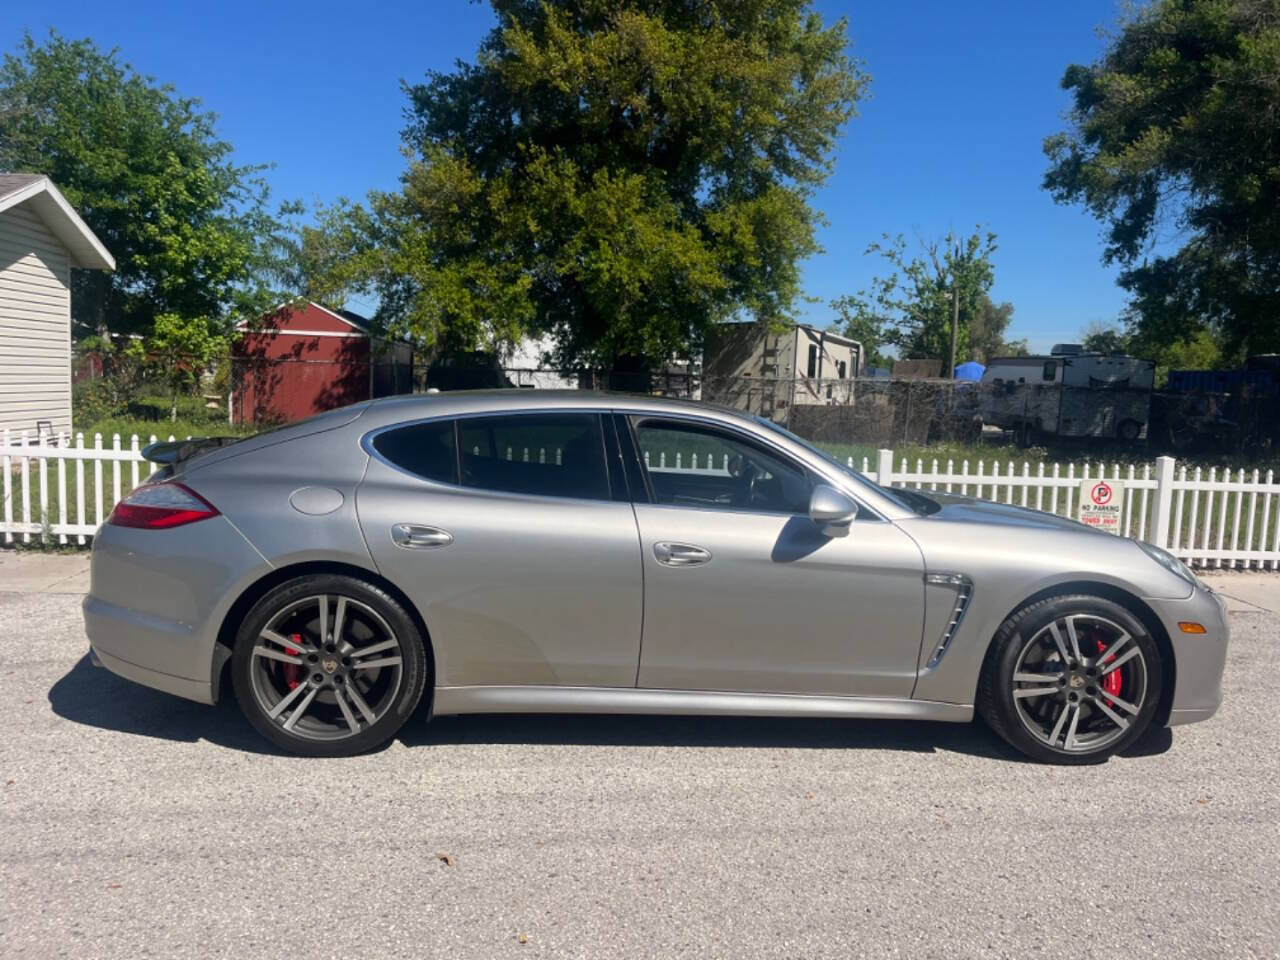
column 1071, row 679
column 328, row 666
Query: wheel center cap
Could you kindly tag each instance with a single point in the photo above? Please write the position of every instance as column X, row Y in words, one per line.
column 331, row 665
column 1076, row 681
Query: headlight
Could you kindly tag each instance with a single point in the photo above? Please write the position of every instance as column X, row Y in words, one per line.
column 1168, row 561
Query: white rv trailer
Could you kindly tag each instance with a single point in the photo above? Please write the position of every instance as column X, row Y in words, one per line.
column 1069, row 393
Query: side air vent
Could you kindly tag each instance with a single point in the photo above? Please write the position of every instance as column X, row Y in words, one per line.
column 964, row 593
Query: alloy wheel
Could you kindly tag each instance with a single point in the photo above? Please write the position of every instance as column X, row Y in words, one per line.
column 1079, row 682
column 326, row 667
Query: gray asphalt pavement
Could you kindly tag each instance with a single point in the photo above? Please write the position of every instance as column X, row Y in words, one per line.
column 134, row 824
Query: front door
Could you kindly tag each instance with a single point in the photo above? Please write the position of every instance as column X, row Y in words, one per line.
column 510, row 537
column 742, row 590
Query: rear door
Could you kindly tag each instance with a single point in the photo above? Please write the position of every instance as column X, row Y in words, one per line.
column 516, row 544
column 742, row 590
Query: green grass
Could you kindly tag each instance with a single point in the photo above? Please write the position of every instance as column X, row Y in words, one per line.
column 148, row 416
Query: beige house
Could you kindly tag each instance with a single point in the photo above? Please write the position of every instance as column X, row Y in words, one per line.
column 41, row 240
column 764, row 371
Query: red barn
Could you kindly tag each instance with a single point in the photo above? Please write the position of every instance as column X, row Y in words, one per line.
column 304, row 359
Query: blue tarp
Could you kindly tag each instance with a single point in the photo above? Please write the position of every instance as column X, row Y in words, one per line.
column 969, row 371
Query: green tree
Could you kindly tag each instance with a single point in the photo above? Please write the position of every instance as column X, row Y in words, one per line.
column 987, row 329
column 1173, row 143
column 870, row 329
column 1197, row 352
column 911, row 308
column 180, row 349
column 1102, row 338
column 190, row 229
column 618, row 175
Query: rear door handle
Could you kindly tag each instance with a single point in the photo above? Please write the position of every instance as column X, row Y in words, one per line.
column 416, row 536
column 680, row 554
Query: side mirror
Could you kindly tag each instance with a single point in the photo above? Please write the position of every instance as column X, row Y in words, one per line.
column 832, row 511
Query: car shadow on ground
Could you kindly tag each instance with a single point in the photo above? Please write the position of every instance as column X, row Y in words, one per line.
column 912, row 736
column 98, row 698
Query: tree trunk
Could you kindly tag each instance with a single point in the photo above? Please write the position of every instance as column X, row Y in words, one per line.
column 173, row 407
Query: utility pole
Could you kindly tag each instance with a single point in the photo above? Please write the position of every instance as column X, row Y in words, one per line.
column 955, row 314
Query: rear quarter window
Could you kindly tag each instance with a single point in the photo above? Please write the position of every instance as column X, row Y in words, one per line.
column 425, row 450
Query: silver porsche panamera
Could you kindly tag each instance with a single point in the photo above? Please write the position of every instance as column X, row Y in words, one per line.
column 531, row 551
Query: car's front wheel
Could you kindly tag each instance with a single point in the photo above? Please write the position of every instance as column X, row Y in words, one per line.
column 1071, row 679
column 328, row 666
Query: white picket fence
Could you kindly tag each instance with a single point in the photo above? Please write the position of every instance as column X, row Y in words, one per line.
column 62, row 489
column 82, row 491
column 1224, row 521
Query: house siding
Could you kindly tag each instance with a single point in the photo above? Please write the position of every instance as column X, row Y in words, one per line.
column 35, row 326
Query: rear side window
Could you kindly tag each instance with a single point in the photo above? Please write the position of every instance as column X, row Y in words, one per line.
column 424, row 449
column 549, row 455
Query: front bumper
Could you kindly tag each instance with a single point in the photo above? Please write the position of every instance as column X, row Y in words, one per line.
column 1199, row 658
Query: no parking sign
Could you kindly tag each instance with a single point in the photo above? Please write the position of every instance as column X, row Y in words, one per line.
column 1101, row 504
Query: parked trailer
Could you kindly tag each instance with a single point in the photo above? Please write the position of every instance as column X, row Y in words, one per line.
column 1069, row 394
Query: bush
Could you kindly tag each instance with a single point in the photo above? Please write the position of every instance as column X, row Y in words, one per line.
column 94, row 400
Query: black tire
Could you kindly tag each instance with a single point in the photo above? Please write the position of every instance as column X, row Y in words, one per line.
column 399, row 675
column 1028, row 633
column 1129, row 430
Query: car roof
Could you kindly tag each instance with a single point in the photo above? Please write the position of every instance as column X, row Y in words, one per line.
column 458, row 402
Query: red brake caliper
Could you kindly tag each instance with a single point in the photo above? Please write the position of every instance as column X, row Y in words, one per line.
column 293, row 671
column 1112, row 682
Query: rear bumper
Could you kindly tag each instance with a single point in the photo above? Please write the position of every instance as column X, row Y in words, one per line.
column 157, row 599
column 201, row 691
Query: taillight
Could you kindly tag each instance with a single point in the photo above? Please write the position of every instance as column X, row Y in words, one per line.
column 158, row 506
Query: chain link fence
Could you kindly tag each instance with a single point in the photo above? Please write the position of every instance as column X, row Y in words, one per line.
column 892, row 412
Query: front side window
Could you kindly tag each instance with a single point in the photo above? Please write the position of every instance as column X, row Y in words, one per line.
column 424, row 449
column 549, row 455
column 690, row 465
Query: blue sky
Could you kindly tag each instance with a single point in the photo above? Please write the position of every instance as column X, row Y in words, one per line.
column 962, row 96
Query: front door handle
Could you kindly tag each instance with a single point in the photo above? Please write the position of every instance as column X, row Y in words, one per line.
column 416, row 536
column 680, row 554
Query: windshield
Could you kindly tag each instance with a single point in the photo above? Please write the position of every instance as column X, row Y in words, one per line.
column 895, row 495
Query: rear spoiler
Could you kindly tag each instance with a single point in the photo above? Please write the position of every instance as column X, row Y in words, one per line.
column 173, row 452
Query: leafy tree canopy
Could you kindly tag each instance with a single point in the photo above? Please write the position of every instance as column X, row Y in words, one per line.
column 1197, row 352
column 987, row 329
column 911, row 308
column 1174, row 144
column 188, row 227
column 616, row 174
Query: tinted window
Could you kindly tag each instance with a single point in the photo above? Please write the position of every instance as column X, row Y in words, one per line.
column 423, row 449
column 551, row 455
column 693, row 466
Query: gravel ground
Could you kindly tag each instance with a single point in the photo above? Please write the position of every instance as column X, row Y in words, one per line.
column 136, row 825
